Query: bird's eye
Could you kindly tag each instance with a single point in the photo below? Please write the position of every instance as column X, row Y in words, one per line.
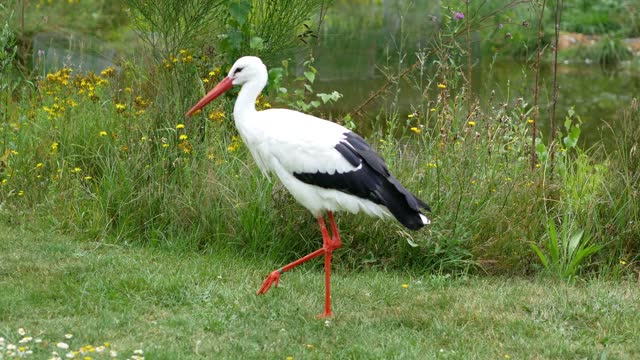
column 237, row 70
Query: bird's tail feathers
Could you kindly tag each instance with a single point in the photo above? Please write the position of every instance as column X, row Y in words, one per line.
column 404, row 205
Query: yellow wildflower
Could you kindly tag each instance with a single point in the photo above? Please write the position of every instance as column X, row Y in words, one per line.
column 183, row 137
column 88, row 178
column 185, row 147
column 39, row 165
column 108, row 72
column 432, row 109
column 472, row 123
column 216, row 115
column 75, row 170
column 102, row 133
column 530, row 121
column 165, row 145
column 405, row 286
column 442, row 86
column 21, row 193
column 416, row 130
column 180, row 126
column 622, row 262
column 235, row 144
column 120, row 107
column 140, row 102
column 411, row 116
column 54, row 146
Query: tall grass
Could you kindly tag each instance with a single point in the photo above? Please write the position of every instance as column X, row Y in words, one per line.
column 110, row 156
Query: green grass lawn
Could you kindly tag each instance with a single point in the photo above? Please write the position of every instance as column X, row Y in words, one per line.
column 188, row 305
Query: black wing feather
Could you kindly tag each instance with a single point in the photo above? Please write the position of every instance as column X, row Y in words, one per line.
column 371, row 181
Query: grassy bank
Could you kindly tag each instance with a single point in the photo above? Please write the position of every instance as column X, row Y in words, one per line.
column 114, row 150
column 175, row 304
column 110, row 155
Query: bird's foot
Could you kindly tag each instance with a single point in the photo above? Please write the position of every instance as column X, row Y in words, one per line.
column 325, row 314
column 274, row 277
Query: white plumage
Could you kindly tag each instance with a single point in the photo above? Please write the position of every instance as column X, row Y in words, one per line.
column 285, row 142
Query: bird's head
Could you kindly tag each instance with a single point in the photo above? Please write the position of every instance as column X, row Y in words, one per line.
column 245, row 69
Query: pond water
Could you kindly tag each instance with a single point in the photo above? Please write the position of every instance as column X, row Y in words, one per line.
column 357, row 41
column 52, row 50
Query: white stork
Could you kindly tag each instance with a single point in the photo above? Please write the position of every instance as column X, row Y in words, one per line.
column 326, row 167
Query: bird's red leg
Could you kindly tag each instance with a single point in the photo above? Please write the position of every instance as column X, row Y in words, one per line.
column 330, row 244
column 326, row 245
column 274, row 277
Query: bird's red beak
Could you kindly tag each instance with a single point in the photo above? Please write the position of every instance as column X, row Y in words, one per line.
column 218, row 90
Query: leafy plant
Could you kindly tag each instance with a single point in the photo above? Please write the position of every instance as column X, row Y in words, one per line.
column 566, row 251
column 572, row 129
column 303, row 97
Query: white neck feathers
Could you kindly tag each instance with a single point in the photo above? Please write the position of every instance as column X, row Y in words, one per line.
column 246, row 102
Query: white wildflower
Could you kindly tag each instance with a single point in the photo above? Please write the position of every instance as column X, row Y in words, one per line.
column 25, row 339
